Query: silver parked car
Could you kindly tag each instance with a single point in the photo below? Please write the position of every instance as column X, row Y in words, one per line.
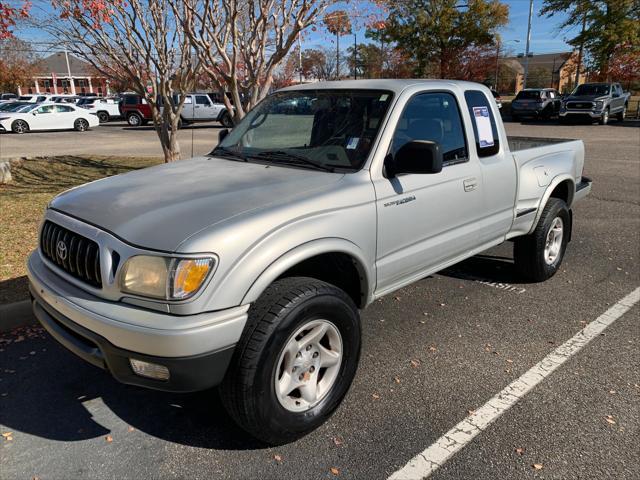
column 247, row 268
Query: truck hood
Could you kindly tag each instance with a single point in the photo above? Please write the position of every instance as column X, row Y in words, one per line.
column 585, row 98
column 161, row 206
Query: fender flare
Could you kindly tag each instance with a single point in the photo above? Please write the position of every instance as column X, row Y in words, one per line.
column 547, row 194
column 308, row 250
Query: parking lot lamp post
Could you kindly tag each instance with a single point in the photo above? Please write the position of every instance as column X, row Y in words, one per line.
column 526, row 53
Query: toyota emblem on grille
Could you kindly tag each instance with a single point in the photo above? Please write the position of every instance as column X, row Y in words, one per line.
column 61, row 250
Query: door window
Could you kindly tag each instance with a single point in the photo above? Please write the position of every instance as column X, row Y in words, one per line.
column 434, row 117
column 202, row 100
column 63, row 109
column 477, row 102
column 46, row 109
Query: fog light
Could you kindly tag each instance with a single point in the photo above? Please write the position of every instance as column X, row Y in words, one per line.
column 149, row 370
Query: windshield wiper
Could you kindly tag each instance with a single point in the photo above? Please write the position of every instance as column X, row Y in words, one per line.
column 227, row 152
column 288, row 157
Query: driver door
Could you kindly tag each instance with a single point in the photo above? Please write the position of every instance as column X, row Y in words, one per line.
column 427, row 220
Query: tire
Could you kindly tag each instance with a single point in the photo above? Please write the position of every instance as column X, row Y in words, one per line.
column 515, row 118
column 134, row 119
column 103, row 117
column 604, row 119
column 538, row 255
column 20, row 127
column 226, row 121
column 81, row 125
column 249, row 390
column 620, row 116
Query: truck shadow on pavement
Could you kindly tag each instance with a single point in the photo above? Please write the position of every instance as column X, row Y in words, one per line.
column 486, row 268
column 47, row 392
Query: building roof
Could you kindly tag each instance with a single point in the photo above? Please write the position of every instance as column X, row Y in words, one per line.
column 547, row 61
column 57, row 64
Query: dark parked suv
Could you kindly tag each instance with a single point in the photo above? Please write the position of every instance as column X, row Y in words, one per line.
column 135, row 109
column 536, row 102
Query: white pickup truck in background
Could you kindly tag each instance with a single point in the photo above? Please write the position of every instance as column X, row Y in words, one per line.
column 250, row 270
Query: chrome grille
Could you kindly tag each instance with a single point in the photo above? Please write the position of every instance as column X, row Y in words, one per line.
column 73, row 253
column 580, row 105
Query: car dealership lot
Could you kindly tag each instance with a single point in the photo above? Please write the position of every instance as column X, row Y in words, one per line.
column 113, row 138
column 433, row 354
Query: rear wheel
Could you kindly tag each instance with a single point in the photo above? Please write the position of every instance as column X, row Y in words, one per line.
column 103, row 117
column 134, row 119
column 19, row 126
column 81, row 125
column 226, row 120
column 538, row 255
column 295, row 361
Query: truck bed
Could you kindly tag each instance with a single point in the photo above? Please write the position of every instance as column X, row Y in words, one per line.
column 525, row 143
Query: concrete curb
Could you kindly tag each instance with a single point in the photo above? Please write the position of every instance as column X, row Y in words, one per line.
column 17, row 314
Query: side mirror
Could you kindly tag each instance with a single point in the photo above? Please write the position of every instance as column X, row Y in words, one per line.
column 222, row 134
column 417, row 156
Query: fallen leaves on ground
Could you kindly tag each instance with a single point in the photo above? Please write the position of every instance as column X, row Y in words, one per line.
column 8, row 436
column 130, row 429
column 396, row 379
column 277, row 458
column 375, row 396
column 334, row 471
column 520, row 451
column 537, row 466
column 108, row 439
column 415, row 363
column 609, row 418
column 338, row 441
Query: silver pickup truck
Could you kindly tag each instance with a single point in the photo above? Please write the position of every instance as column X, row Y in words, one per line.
column 246, row 268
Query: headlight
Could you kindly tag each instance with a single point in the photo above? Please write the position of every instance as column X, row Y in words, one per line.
column 164, row 277
column 599, row 104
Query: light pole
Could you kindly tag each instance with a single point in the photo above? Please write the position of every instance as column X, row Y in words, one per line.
column 526, row 53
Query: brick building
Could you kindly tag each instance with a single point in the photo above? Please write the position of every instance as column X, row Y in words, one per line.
column 63, row 73
column 548, row 70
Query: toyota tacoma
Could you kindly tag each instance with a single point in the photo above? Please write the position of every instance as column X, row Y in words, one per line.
column 247, row 268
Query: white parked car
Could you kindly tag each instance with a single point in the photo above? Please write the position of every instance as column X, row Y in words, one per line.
column 48, row 116
column 105, row 108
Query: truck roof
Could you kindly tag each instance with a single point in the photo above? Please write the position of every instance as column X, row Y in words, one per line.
column 393, row 85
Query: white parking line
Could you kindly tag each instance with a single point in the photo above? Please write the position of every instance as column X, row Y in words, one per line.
column 429, row 460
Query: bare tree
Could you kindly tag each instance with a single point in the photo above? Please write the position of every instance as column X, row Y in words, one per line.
column 241, row 42
column 137, row 40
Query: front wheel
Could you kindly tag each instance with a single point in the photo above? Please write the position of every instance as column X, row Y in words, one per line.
column 538, row 255
column 19, row 126
column 295, row 361
column 622, row 114
column 604, row 119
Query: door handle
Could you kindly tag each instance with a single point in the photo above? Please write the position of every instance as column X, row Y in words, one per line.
column 470, row 184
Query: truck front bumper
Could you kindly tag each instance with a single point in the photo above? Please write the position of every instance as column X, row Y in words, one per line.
column 193, row 350
column 593, row 114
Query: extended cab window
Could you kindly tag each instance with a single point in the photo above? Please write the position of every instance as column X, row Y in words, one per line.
column 487, row 143
column 434, row 117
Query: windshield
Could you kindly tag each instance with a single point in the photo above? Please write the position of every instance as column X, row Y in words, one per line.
column 593, row 89
column 320, row 129
column 528, row 95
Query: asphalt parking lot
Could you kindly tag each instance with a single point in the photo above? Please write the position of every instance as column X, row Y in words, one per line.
column 434, row 353
column 111, row 139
